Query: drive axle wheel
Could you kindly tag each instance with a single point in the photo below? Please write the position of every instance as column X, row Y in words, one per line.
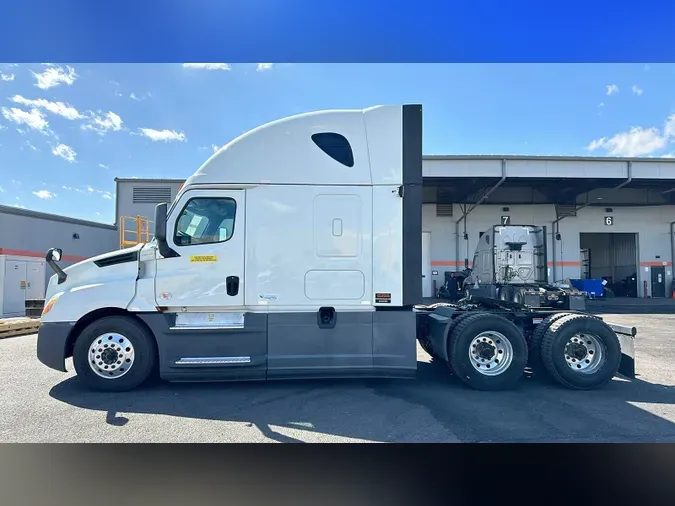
column 506, row 293
column 535, row 362
column 487, row 352
column 581, row 352
column 114, row 354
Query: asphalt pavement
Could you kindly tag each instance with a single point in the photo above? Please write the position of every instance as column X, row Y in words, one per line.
column 41, row 405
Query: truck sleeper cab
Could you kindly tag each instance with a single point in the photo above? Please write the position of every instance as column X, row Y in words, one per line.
column 293, row 252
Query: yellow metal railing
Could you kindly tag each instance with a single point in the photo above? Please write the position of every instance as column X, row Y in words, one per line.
column 138, row 227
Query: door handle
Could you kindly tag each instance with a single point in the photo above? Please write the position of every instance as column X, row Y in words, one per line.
column 232, row 285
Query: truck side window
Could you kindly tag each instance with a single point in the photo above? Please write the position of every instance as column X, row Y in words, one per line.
column 205, row 220
column 336, row 146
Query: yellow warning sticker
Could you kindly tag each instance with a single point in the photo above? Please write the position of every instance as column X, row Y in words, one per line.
column 203, row 258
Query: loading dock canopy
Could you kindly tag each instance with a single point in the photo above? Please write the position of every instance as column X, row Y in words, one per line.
column 511, row 180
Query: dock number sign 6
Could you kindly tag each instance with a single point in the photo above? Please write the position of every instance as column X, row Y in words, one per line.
column 609, row 220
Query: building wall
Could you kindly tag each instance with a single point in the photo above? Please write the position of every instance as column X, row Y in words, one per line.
column 652, row 224
column 140, row 197
column 28, row 233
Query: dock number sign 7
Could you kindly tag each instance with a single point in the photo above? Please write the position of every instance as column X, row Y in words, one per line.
column 609, row 220
column 506, row 221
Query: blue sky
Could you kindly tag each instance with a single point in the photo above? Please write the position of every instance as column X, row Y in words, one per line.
column 67, row 130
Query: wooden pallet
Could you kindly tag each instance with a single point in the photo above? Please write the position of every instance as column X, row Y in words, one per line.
column 11, row 327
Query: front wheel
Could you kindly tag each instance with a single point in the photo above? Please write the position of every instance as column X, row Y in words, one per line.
column 487, row 352
column 114, row 354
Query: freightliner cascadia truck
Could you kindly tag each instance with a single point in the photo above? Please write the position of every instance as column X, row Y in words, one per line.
column 295, row 252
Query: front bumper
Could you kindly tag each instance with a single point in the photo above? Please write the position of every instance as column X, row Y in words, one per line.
column 51, row 344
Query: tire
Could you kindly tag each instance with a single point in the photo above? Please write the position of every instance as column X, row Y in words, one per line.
column 139, row 352
column 505, row 293
column 500, row 334
column 534, row 361
column 603, row 352
column 519, row 296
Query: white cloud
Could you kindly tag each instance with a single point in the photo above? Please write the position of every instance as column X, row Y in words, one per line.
column 601, row 104
column 215, row 148
column 65, row 152
column 19, row 206
column 34, row 118
column 2, row 190
column 637, row 141
column 89, row 190
column 65, row 110
column 106, row 122
column 54, row 75
column 637, row 91
column 208, row 66
column 262, row 67
column 669, row 128
column 44, row 194
column 31, row 146
column 162, row 135
column 7, row 77
column 139, row 98
column 102, row 166
column 612, row 88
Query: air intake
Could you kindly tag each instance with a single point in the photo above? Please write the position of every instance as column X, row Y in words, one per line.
column 443, row 209
column 151, row 194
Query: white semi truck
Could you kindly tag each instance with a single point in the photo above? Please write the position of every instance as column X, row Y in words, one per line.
column 295, row 252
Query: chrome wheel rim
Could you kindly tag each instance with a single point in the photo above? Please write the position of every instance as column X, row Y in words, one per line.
column 490, row 353
column 584, row 353
column 111, row 355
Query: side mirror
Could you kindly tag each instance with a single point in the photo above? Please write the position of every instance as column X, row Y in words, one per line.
column 160, row 222
column 160, row 231
column 53, row 256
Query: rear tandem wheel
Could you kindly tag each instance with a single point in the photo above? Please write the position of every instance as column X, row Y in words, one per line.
column 580, row 352
column 535, row 362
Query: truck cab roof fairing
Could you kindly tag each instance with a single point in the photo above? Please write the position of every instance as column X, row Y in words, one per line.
column 288, row 151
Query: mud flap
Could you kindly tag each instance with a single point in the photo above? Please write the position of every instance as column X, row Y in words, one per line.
column 626, row 337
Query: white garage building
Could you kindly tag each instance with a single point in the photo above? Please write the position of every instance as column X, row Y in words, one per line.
column 608, row 218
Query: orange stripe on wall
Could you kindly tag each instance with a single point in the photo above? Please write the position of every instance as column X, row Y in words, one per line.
column 447, row 263
column 460, row 263
column 655, row 264
column 36, row 254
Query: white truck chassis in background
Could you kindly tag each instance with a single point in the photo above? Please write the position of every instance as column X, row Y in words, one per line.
column 510, row 263
column 295, row 252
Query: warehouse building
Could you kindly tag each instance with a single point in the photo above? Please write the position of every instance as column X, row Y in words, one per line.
column 26, row 237
column 606, row 218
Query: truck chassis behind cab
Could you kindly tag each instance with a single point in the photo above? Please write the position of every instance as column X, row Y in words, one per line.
column 295, row 252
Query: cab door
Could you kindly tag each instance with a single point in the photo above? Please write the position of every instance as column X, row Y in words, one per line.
column 206, row 228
